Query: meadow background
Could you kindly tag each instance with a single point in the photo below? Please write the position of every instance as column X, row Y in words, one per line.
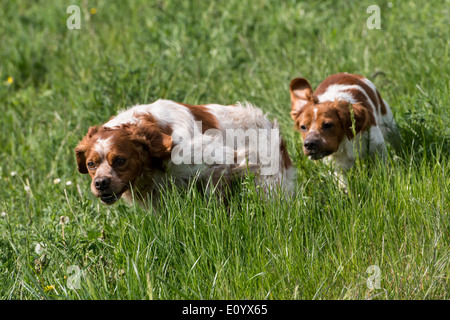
column 56, row 82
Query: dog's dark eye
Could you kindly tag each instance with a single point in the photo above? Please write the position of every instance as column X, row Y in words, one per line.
column 327, row 125
column 119, row 162
column 303, row 127
column 91, row 165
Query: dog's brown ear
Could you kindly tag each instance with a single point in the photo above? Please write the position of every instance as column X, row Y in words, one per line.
column 152, row 137
column 160, row 145
column 301, row 93
column 80, row 152
column 361, row 115
column 80, row 149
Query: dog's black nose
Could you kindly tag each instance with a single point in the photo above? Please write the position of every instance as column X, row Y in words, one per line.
column 311, row 145
column 102, row 183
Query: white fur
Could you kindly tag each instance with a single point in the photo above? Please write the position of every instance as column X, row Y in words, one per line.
column 315, row 114
column 337, row 91
column 102, row 146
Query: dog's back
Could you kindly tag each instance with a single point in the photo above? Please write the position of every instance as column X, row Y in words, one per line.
column 358, row 89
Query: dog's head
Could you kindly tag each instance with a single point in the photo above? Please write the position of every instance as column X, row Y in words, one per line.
column 115, row 157
column 324, row 125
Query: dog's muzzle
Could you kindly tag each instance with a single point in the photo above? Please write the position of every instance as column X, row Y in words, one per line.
column 313, row 147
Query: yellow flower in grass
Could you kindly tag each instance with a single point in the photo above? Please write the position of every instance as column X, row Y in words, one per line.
column 49, row 288
column 93, row 11
column 10, row 80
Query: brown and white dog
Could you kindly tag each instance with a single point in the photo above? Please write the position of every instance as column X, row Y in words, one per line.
column 143, row 147
column 324, row 118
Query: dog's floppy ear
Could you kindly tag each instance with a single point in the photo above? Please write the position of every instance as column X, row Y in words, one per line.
column 301, row 94
column 152, row 137
column 361, row 117
column 80, row 150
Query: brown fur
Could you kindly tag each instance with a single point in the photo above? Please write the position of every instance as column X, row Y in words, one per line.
column 287, row 162
column 202, row 114
column 80, row 150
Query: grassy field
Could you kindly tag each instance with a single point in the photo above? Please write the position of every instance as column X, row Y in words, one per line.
column 56, row 82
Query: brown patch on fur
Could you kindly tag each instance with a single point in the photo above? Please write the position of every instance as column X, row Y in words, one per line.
column 362, row 100
column 200, row 113
column 362, row 115
column 338, row 78
column 82, row 147
column 154, row 137
column 286, row 160
column 352, row 79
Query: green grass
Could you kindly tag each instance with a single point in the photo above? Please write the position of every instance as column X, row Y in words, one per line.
column 317, row 245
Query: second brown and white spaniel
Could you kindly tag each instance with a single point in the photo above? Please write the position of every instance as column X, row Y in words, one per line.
column 142, row 148
column 344, row 115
